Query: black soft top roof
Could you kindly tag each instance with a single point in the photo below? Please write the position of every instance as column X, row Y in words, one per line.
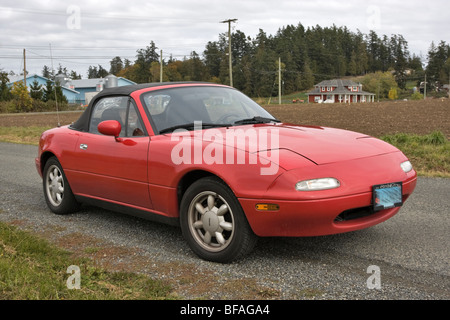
column 82, row 124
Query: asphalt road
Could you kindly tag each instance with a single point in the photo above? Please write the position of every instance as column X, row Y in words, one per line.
column 404, row 258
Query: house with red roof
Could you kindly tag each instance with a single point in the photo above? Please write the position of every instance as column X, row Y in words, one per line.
column 339, row 91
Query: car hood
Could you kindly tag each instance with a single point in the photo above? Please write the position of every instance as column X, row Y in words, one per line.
column 320, row 145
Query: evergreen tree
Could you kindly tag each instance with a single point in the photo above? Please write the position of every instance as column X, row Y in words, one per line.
column 94, row 72
column 5, row 92
column 116, row 66
column 47, row 73
column 212, row 58
column 74, row 75
column 400, row 54
column 144, row 59
column 48, row 92
column 36, row 91
column 438, row 64
column 59, row 94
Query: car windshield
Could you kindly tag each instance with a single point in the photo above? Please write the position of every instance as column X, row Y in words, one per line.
column 212, row 106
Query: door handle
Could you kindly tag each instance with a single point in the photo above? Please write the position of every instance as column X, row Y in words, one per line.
column 83, row 146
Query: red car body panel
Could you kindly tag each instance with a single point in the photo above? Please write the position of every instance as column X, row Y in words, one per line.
column 138, row 172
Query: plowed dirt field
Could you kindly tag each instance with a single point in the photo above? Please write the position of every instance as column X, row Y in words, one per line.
column 376, row 119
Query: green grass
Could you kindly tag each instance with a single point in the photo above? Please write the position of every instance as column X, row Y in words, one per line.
column 285, row 99
column 429, row 154
column 33, row 269
column 23, row 135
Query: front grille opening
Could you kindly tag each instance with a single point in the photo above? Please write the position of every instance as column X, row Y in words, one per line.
column 354, row 214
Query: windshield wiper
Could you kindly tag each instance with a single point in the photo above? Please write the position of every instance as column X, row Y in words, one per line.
column 194, row 125
column 256, row 119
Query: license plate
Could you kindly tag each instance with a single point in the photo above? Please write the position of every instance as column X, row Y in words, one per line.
column 387, row 196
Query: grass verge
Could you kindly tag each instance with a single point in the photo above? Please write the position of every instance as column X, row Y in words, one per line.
column 33, row 269
column 22, row 135
column 429, row 154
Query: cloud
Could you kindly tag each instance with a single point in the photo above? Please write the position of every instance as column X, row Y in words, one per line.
column 87, row 33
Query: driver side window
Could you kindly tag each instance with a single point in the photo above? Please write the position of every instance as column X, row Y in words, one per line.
column 119, row 109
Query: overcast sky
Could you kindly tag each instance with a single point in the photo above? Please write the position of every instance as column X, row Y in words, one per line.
column 83, row 33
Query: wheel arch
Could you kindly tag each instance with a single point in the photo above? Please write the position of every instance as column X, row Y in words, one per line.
column 44, row 158
column 189, row 178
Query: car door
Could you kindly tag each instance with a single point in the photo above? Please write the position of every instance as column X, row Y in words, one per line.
column 114, row 169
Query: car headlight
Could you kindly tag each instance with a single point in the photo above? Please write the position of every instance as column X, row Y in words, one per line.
column 406, row 166
column 317, row 184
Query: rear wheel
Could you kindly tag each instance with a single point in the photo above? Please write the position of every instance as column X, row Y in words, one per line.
column 213, row 222
column 57, row 192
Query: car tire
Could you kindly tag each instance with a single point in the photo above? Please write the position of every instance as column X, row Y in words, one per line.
column 57, row 192
column 213, row 222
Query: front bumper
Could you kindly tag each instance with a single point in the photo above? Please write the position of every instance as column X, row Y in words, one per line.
column 318, row 217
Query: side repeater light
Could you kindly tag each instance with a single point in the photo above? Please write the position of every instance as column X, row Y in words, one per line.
column 267, row 207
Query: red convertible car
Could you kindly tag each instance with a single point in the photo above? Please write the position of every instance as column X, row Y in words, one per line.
column 209, row 159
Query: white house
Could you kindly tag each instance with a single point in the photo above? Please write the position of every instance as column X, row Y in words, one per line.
column 339, row 91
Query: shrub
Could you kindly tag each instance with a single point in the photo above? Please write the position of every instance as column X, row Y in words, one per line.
column 393, row 94
column 380, row 83
column 21, row 96
column 417, row 96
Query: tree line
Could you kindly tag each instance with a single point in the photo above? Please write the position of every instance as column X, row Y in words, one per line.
column 307, row 55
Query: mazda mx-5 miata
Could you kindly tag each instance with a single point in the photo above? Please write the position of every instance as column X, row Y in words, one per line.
column 209, row 159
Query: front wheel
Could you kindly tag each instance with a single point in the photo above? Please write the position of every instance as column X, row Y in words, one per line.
column 213, row 222
column 57, row 192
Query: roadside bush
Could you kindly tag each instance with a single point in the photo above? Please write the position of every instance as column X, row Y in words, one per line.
column 417, row 96
column 434, row 138
column 22, row 99
column 12, row 106
column 428, row 153
column 40, row 106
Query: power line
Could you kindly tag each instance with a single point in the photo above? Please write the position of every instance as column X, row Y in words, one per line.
column 109, row 16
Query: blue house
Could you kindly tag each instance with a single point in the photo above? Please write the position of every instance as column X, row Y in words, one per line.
column 76, row 91
column 70, row 94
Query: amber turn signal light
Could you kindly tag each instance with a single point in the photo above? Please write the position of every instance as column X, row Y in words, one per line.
column 267, row 207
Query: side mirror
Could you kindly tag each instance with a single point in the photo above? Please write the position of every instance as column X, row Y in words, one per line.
column 110, row 128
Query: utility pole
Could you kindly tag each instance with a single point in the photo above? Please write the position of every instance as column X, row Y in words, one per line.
column 161, row 68
column 378, row 92
column 425, row 88
column 229, row 21
column 54, row 80
column 279, row 80
column 24, row 68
